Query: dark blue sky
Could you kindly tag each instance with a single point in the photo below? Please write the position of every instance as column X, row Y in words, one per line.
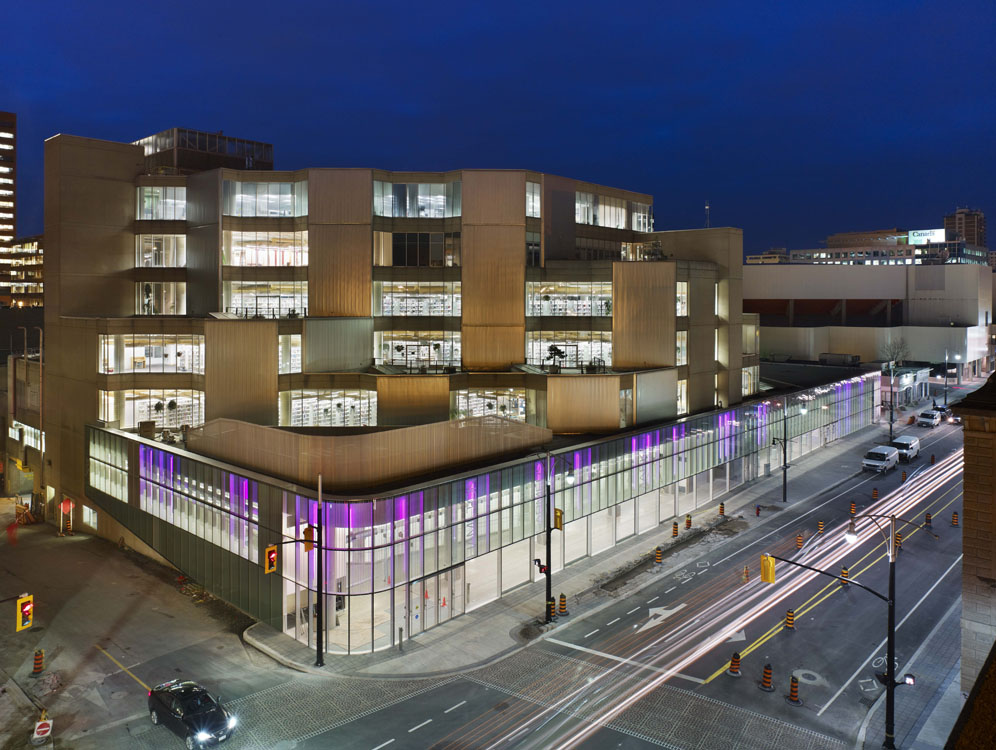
column 794, row 119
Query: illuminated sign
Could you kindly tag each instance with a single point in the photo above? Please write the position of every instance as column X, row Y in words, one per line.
column 924, row 236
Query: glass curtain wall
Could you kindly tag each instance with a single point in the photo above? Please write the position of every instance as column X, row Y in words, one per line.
column 289, row 353
column 272, row 199
column 433, row 200
column 318, row 407
column 168, row 408
column 266, row 299
column 569, row 298
column 589, row 348
column 413, row 559
column 161, row 250
column 509, row 403
column 161, row 298
column 264, row 248
column 150, row 352
column 161, row 203
column 417, row 348
column 416, row 298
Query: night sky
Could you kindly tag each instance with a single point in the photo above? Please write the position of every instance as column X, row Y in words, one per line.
column 793, row 119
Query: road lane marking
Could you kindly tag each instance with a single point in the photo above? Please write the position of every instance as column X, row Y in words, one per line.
column 670, row 589
column 384, row 744
column 659, row 615
column 684, row 582
column 622, row 660
column 427, row 721
column 651, row 601
column 451, row 708
column 592, row 633
column 123, row 668
column 612, row 623
column 632, row 611
column 883, row 643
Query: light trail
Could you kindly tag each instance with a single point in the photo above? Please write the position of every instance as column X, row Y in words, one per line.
column 676, row 650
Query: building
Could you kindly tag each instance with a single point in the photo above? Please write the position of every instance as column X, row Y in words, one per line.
column 8, row 177
column 967, row 224
column 937, row 312
column 185, row 151
column 872, row 238
column 774, row 255
column 21, row 272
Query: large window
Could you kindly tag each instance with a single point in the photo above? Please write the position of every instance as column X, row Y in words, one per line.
column 533, row 249
column 150, row 352
column 426, row 249
column 265, row 198
column 599, row 210
column 681, row 348
column 533, row 199
column 641, row 218
column 161, row 298
column 417, row 349
column 319, row 407
column 289, row 347
column 681, row 299
column 267, row 299
column 682, row 397
column 167, row 408
column 750, row 379
column 509, row 403
column 415, row 298
column 580, row 348
column 414, row 200
column 162, row 203
column 264, row 248
column 569, row 298
column 161, row 250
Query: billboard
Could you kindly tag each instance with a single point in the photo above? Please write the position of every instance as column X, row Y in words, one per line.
column 924, row 236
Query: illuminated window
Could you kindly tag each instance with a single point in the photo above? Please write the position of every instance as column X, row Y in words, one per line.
column 161, row 298
column 150, row 352
column 681, row 298
column 533, row 199
column 682, row 397
column 319, row 407
column 265, row 198
column 289, row 348
column 161, row 203
column 247, row 249
column 165, row 407
column 413, row 200
column 681, row 348
column 161, row 250
column 416, row 298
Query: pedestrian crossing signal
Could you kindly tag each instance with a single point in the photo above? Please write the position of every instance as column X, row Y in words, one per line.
column 767, row 569
column 270, row 559
column 25, row 611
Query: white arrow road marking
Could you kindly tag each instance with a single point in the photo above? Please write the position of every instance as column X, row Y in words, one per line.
column 740, row 635
column 659, row 615
column 621, row 660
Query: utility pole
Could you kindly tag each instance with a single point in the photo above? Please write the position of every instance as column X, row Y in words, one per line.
column 892, row 396
column 320, row 575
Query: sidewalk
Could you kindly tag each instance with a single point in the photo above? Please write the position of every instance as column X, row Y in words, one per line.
column 508, row 624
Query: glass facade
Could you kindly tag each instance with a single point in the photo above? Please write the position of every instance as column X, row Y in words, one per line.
column 161, row 298
column 150, row 352
column 289, row 353
column 580, row 347
column 416, row 298
column 413, row 200
column 599, row 210
column 533, row 199
column 569, row 298
column 425, row 249
column 750, row 380
column 412, row 559
column 318, row 407
column 264, row 248
column 417, row 348
column 161, row 203
column 267, row 299
column 681, row 348
column 160, row 250
column 272, row 199
column 509, row 403
column 681, row 298
column 168, row 408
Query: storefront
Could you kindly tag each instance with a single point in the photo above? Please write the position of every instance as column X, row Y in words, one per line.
column 398, row 564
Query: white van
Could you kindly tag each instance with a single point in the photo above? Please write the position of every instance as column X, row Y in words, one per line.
column 908, row 447
column 928, row 419
column 881, row 458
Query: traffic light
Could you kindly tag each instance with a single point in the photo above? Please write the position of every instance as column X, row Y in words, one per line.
column 270, row 559
column 25, row 611
column 767, row 569
column 309, row 539
column 558, row 519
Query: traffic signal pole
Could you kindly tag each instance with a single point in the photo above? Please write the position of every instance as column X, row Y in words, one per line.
column 320, row 575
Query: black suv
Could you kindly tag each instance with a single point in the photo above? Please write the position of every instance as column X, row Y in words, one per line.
column 190, row 711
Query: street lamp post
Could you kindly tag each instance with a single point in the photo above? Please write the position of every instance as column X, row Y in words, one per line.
column 889, row 678
column 892, row 396
column 784, row 441
column 548, row 514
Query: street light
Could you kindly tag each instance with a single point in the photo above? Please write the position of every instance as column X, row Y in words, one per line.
column 889, row 678
column 784, row 441
column 892, row 396
column 549, row 511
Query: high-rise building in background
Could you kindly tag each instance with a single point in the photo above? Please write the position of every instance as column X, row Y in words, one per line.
column 967, row 224
column 8, row 177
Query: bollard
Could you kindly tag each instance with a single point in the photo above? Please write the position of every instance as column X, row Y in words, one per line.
column 819, row 527
column 722, row 510
column 39, row 662
column 551, row 607
column 401, row 639
column 899, row 542
column 874, row 493
column 926, row 520
column 658, row 556
column 688, row 521
column 932, row 459
column 562, row 609
column 746, row 575
column 798, row 541
column 734, row 670
column 854, row 507
column 793, row 697
column 674, row 529
column 843, row 574
column 790, row 620
column 903, row 478
column 765, row 683
column 954, row 518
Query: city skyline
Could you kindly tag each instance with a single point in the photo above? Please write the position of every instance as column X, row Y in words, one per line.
column 793, row 125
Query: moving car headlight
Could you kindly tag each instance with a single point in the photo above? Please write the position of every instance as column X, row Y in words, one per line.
column 232, row 721
column 203, row 736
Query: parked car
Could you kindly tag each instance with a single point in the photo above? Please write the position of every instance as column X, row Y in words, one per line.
column 881, row 458
column 928, row 419
column 191, row 712
column 908, row 447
